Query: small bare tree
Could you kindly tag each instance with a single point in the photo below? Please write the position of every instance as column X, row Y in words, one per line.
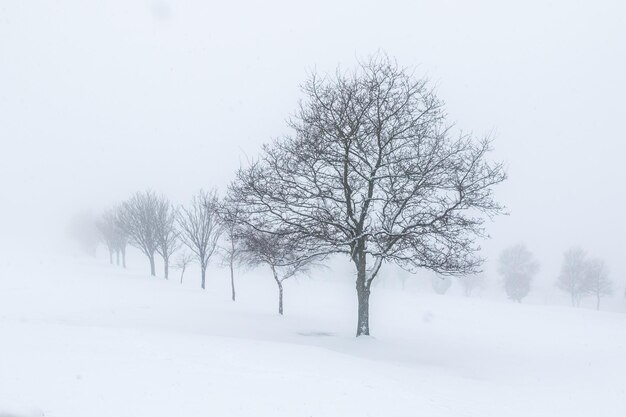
column 231, row 248
column 83, row 228
column 473, row 282
column 517, row 267
column 110, row 231
column 200, row 228
column 138, row 218
column 597, row 280
column 167, row 234
column 183, row 262
column 275, row 250
column 441, row 284
column 121, row 240
column 573, row 276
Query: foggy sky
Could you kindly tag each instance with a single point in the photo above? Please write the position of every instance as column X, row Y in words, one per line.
column 99, row 99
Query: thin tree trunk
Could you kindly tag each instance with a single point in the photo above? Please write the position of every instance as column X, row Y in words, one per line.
column 110, row 256
column 182, row 272
column 117, row 255
column 152, row 270
column 203, row 268
column 598, row 302
column 232, row 279
column 166, row 267
column 124, row 257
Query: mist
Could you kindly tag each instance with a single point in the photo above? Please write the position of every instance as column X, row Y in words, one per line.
column 100, row 100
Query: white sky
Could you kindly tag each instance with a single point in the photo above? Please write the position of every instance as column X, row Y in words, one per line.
column 102, row 98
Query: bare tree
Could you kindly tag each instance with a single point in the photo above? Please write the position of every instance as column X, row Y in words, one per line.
column 183, row 262
column 138, row 218
column 517, row 267
column 471, row 283
column 200, row 228
column 108, row 227
column 573, row 276
column 121, row 240
column 83, row 228
column 231, row 249
column 167, row 234
column 113, row 235
column 275, row 250
column 441, row 284
column 597, row 280
column 372, row 171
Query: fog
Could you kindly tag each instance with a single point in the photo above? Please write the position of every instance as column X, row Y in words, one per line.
column 100, row 99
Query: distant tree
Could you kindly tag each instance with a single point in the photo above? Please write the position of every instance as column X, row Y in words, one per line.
column 597, row 280
column 110, row 231
column 441, row 284
column 183, row 262
column 121, row 239
column 470, row 283
column 231, row 249
column 83, row 229
column 138, row 218
column 573, row 276
column 372, row 171
column 167, row 233
column 517, row 268
column 200, row 228
column 277, row 251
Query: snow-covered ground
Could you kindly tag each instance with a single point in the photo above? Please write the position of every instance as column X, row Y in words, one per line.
column 80, row 338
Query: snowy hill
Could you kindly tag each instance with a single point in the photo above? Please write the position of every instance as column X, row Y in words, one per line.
column 79, row 338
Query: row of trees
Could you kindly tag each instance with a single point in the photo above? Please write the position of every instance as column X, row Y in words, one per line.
column 580, row 276
column 152, row 224
column 371, row 170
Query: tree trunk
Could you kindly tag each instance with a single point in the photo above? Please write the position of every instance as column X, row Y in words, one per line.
column 203, row 271
column 598, row 302
column 110, row 256
column 363, row 296
column 152, row 270
column 166, row 267
column 182, row 272
column 232, row 279
column 117, row 255
column 280, row 290
column 124, row 257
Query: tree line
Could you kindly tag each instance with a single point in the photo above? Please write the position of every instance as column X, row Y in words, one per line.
column 580, row 276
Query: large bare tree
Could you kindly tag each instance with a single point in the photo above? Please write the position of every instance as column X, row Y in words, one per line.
column 167, row 234
column 138, row 218
column 373, row 171
column 200, row 228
